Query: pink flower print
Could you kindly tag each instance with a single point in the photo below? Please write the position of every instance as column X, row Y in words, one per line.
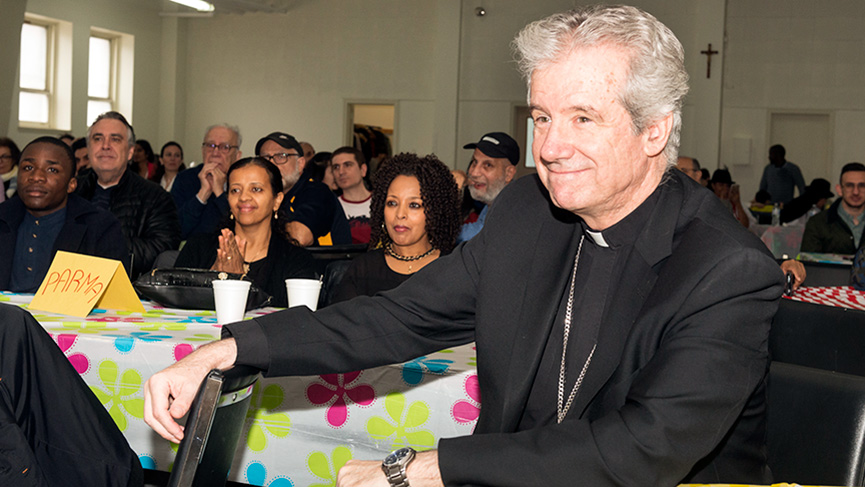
column 78, row 360
column 334, row 391
column 468, row 411
column 182, row 350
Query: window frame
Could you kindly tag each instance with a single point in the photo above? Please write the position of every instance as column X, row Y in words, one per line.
column 113, row 70
column 50, row 72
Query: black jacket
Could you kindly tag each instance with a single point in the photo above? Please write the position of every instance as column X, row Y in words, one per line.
column 88, row 230
column 676, row 388
column 147, row 216
column 826, row 232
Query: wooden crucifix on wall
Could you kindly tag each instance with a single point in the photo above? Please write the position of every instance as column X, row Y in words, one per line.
column 708, row 52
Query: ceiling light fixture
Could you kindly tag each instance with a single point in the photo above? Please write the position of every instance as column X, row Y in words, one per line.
column 199, row 5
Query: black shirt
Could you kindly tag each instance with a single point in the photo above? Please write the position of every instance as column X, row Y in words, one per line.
column 602, row 260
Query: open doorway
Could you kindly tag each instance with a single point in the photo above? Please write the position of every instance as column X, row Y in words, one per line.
column 371, row 130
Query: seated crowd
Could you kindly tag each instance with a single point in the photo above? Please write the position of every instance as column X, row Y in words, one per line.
column 666, row 299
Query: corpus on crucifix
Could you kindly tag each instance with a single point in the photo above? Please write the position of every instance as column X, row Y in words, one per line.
column 708, row 52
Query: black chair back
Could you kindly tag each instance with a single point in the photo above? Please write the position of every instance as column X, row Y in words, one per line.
column 213, row 428
column 818, row 336
column 816, row 426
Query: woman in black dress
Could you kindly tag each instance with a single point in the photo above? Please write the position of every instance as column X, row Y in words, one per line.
column 253, row 240
column 414, row 215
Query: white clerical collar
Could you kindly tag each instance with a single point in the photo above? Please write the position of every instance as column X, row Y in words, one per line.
column 598, row 237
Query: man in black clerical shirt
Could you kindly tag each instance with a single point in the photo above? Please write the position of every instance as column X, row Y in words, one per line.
column 620, row 314
column 44, row 218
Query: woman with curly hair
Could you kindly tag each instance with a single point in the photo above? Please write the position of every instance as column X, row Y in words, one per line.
column 414, row 215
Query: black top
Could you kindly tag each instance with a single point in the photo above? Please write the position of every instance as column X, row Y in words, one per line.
column 283, row 261
column 34, row 250
column 367, row 276
column 86, row 230
column 599, row 269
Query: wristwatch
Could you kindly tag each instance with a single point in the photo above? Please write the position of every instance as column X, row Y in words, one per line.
column 394, row 466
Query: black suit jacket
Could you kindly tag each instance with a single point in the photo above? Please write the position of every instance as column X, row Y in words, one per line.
column 87, row 230
column 675, row 390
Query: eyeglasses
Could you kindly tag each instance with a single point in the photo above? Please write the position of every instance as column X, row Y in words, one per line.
column 218, row 147
column 280, row 158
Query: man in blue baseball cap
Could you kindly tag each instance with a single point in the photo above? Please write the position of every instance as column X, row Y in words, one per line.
column 493, row 166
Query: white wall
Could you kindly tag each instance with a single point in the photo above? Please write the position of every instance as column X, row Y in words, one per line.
column 295, row 72
column 793, row 56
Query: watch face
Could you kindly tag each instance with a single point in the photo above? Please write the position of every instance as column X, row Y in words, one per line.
column 395, row 456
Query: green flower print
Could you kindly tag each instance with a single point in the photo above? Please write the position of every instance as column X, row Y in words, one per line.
column 325, row 468
column 277, row 424
column 121, row 395
column 404, row 429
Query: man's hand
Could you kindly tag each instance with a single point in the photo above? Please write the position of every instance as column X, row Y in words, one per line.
column 205, row 190
column 423, row 471
column 301, row 233
column 169, row 393
column 217, row 183
column 798, row 270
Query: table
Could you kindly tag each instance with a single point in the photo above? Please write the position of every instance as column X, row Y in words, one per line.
column 299, row 430
column 839, row 296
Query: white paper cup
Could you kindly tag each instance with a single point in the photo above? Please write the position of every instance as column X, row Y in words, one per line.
column 303, row 292
column 230, row 298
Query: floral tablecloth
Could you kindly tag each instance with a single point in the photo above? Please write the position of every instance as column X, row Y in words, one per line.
column 299, row 430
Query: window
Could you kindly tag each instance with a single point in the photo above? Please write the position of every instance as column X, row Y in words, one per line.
column 101, row 76
column 34, row 97
column 45, row 79
column 110, row 73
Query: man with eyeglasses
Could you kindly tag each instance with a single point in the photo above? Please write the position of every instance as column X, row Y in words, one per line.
column 315, row 215
column 199, row 192
column 838, row 230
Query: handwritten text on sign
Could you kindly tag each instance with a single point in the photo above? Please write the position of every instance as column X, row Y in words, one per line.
column 77, row 281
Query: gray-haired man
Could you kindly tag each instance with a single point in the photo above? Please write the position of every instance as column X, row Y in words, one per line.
column 620, row 322
column 199, row 192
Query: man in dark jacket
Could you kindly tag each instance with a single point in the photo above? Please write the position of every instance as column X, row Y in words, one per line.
column 44, row 218
column 146, row 212
column 838, row 230
column 199, row 193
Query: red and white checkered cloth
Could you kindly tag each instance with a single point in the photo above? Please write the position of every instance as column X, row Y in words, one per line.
column 840, row 296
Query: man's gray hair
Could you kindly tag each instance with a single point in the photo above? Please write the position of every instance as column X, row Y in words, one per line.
column 130, row 134
column 233, row 128
column 657, row 81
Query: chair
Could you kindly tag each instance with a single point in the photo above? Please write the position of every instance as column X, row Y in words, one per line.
column 816, row 426
column 823, row 337
column 213, row 428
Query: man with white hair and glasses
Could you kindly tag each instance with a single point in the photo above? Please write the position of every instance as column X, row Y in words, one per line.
column 620, row 314
column 199, row 192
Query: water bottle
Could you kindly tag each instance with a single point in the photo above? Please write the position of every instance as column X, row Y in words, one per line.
column 776, row 215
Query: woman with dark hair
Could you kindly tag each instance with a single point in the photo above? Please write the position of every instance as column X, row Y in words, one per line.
column 253, row 240
column 9, row 155
column 143, row 159
column 414, row 217
column 170, row 163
